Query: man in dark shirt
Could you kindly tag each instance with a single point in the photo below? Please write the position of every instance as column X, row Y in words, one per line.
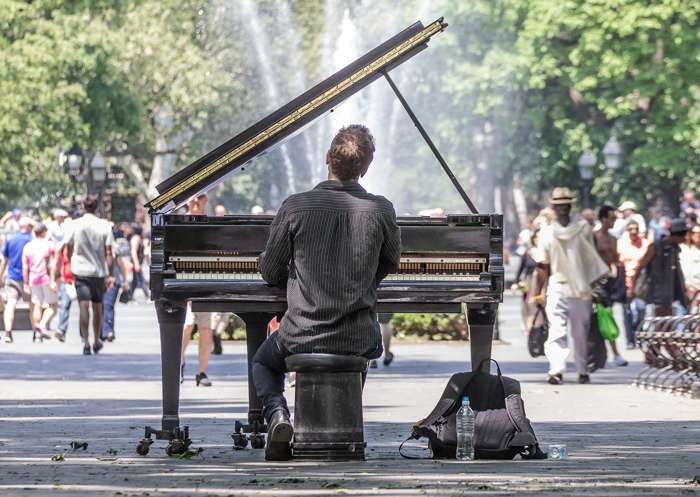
column 330, row 247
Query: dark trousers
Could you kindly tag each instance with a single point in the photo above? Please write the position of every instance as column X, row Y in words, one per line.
column 268, row 374
column 108, row 301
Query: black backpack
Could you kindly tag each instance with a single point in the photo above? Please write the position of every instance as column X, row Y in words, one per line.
column 538, row 334
column 501, row 431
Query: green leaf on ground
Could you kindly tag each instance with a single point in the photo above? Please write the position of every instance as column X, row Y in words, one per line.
column 330, row 484
column 695, row 480
column 189, row 454
column 291, row 480
column 58, row 458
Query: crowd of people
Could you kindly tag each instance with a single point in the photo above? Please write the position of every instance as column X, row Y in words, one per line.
column 53, row 262
column 612, row 256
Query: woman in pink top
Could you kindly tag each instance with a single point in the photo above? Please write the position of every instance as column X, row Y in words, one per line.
column 35, row 260
column 631, row 247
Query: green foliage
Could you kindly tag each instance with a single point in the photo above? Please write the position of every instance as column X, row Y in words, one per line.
column 430, row 326
column 514, row 90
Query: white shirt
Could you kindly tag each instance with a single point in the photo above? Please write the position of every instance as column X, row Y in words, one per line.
column 89, row 236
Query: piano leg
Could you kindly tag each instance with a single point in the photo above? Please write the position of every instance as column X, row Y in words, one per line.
column 256, row 333
column 171, row 318
column 481, row 319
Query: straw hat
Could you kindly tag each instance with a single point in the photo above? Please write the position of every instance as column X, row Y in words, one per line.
column 628, row 204
column 561, row 195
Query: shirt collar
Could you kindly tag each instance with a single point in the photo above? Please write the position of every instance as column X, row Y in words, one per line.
column 347, row 186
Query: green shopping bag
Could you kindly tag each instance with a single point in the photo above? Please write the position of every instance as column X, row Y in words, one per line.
column 606, row 322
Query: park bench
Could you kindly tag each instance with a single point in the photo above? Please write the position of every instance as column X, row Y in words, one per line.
column 671, row 347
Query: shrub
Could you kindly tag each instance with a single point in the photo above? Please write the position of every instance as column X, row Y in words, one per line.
column 431, row 326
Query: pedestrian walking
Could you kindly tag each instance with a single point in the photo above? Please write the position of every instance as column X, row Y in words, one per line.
column 90, row 243
column 661, row 260
column 119, row 273
column 387, row 330
column 137, row 257
column 36, row 257
column 11, row 274
column 690, row 264
column 568, row 264
column 614, row 286
column 202, row 320
column 631, row 249
column 525, row 283
column 629, row 213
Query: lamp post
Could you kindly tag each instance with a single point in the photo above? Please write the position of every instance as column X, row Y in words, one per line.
column 74, row 162
column 586, row 165
column 612, row 153
column 98, row 177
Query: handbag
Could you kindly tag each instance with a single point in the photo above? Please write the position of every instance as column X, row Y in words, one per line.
column 501, row 429
column 606, row 322
column 538, row 334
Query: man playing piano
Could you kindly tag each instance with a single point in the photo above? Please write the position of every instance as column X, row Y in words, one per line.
column 330, row 247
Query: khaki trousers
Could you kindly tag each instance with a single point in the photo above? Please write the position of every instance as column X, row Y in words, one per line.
column 562, row 312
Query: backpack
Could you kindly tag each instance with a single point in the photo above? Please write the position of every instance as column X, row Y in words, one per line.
column 501, row 429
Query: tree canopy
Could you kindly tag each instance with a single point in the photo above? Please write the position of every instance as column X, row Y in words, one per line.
column 513, row 93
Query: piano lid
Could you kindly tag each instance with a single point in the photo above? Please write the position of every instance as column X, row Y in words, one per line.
column 225, row 159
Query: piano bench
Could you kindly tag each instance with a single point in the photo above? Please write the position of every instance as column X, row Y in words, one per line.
column 328, row 406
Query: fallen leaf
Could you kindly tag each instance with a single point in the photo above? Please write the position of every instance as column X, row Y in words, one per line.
column 189, row 454
column 58, row 458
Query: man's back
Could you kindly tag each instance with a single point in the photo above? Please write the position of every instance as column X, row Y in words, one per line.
column 89, row 236
column 341, row 242
column 13, row 253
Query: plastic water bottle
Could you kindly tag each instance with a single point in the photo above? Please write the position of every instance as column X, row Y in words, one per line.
column 465, row 431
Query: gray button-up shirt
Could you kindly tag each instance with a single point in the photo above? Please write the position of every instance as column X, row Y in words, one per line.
column 331, row 247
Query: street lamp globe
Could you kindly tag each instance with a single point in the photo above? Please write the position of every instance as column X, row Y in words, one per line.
column 586, row 165
column 98, row 169
column 75, row 160
column 612, row 152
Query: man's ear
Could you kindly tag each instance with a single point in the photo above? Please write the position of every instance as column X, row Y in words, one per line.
column 365, row 168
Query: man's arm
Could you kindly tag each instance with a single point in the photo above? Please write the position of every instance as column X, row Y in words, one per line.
column 274, row 261
column 390, row 253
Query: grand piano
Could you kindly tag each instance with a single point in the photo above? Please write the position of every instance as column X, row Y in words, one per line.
column 451, row 264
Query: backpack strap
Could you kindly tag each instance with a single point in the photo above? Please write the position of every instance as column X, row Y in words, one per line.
column 416, row 434
column 457, row 384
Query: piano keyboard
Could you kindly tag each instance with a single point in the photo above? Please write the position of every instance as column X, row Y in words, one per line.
column 391, row 277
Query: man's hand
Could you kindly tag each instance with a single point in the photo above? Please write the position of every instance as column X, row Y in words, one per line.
column 27, row 290
column 53, row 286
column 109, row 282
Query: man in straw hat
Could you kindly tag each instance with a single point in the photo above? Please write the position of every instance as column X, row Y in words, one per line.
column 568, row 264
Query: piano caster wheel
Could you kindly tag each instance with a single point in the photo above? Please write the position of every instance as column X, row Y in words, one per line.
column 257, row 441
column 176, row 447
column 240, row 441
column 144, row 446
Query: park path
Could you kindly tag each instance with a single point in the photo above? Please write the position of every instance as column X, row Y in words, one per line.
column 621, row 440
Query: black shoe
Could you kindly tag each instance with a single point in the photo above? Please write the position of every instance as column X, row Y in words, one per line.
column 97, row 347
column 555, row 379
column 388, row 358
column 279, row 435
column 86, row 349
column 218, row 349
column 584, row 379
column 373, row 364
column 202, row 379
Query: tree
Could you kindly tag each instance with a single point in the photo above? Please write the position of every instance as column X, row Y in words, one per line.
column 59, row 87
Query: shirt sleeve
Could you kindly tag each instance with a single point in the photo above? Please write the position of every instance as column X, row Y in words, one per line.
column 390, row 253
column 274, row 261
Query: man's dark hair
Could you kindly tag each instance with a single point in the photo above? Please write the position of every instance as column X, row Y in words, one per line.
column 90, row 204
column 350, row 151
column 605, row 211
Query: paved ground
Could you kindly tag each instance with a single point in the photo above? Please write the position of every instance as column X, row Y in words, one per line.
column 622, row 441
